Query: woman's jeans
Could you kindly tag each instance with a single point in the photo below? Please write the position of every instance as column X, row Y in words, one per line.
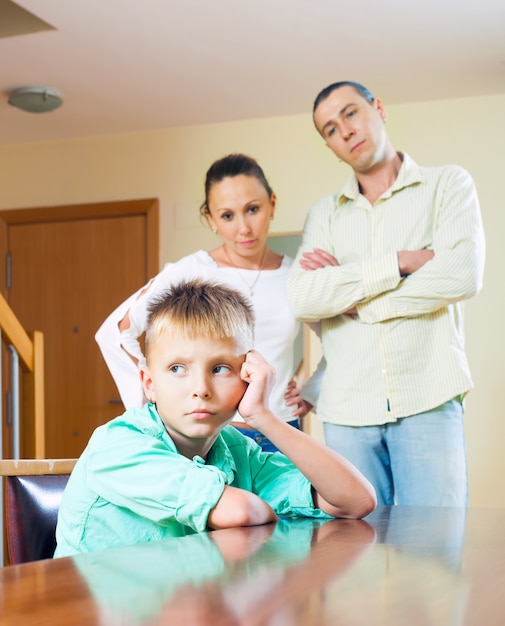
column 266, row 444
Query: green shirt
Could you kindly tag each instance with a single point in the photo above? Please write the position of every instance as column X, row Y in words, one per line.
column 132, row 485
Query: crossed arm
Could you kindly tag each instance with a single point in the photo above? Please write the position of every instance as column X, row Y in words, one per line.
column 439, row 258
column 409, row 261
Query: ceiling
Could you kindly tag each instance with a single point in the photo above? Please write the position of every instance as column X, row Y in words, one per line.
column 129, row 65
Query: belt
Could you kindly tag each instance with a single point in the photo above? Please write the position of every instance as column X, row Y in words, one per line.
column 242, row 425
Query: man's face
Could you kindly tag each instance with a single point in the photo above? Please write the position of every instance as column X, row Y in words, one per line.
column 353, row 128
column 196, row 385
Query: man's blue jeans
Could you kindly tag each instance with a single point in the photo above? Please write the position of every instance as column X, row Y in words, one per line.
column 419, row 460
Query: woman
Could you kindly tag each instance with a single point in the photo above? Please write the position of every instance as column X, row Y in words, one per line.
column 239, row 204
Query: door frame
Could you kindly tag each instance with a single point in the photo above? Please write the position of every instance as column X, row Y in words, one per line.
column 148, row 208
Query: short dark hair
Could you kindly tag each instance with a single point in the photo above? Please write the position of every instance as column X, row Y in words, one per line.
column 200, row 308
column 228, row 167
column 324, row 93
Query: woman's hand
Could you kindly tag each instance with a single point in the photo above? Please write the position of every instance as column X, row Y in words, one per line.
column 293, row 398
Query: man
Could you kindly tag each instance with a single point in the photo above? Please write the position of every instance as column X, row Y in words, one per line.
column 386, row 265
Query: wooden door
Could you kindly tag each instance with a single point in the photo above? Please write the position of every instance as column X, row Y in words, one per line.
column 67, row 274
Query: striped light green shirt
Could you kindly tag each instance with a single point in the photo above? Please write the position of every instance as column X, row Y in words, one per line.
column 403, row 353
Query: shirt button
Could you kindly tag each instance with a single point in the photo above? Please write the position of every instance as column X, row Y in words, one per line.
column 258, row 438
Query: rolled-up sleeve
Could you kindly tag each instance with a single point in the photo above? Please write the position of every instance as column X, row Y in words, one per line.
column 154, row 483
column 200, row 491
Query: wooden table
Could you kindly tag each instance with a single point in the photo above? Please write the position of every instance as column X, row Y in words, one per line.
column 402, row 566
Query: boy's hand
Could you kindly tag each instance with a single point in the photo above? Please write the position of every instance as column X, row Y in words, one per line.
column 260, row 377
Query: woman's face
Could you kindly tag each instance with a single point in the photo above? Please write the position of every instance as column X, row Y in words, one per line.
column 240, row 209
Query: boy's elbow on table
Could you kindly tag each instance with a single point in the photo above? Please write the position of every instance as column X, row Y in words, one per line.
column 238, row 507
column 356, row 506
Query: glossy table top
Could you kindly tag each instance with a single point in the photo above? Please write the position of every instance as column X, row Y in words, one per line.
column 402, row 566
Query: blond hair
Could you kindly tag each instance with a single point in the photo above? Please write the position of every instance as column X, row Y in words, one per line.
column 199, row 308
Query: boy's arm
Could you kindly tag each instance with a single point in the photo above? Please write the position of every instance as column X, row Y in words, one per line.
column 238, row 507
column 339, row 488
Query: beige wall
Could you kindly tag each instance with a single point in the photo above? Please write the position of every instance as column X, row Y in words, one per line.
column 170, row 164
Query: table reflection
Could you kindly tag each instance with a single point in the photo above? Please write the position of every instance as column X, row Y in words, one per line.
column 419, row 566
column 233, row 576
column 413, row 575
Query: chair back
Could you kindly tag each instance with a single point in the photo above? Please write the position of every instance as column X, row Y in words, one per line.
column 33, row 492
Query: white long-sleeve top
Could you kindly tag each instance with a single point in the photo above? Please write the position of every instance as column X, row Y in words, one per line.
column 275, row 329
column 403, row 353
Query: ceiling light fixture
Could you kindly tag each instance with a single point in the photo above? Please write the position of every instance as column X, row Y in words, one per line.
column 35, row 99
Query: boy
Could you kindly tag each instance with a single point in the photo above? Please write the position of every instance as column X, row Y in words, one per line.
column 174, row 467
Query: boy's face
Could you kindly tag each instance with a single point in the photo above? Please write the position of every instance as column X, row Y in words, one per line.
column 196, row 385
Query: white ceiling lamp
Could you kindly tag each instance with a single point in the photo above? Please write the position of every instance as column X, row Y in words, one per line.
column 36, row 99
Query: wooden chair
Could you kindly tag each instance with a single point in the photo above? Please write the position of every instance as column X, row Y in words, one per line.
column 33, row 490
